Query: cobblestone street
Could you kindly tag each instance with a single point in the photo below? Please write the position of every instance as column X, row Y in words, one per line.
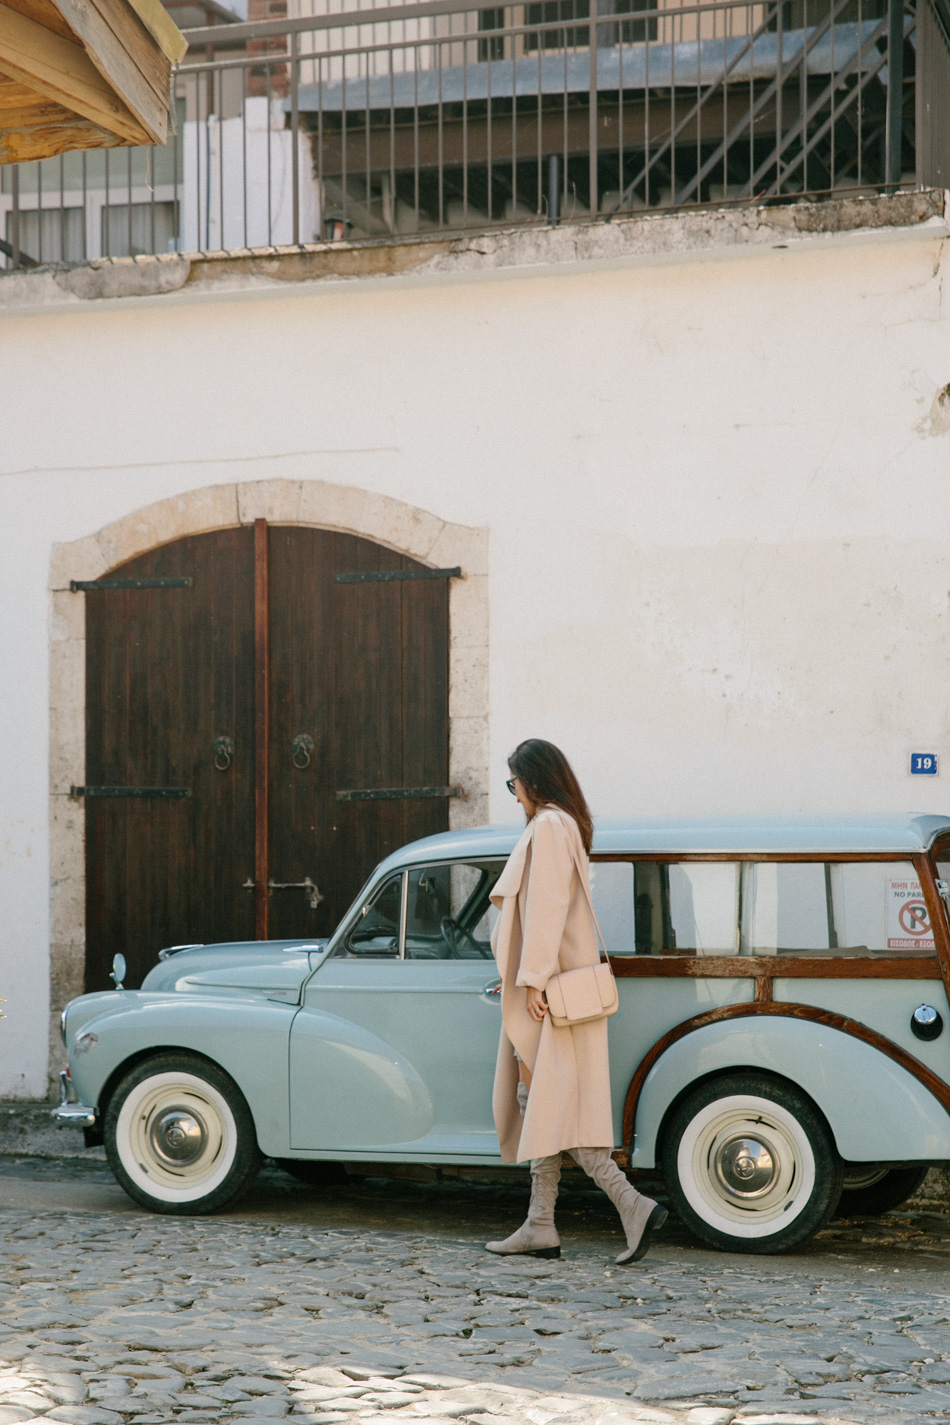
column 375, row 1299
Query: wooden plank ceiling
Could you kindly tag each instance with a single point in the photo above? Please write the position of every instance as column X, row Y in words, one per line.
column 79, row 74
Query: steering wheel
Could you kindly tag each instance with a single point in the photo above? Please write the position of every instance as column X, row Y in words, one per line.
column 454, row 936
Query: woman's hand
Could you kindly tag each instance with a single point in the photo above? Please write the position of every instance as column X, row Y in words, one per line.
column 537, row 1004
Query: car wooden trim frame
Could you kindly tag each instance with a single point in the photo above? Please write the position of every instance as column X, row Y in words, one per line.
column 779, row 1009
column 764, row 969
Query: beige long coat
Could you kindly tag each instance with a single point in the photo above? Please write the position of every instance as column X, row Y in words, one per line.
column 545, row 926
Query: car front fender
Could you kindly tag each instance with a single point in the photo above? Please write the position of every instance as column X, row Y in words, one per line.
column 249, row 1039
column 350, row 1089
column 876, row 1109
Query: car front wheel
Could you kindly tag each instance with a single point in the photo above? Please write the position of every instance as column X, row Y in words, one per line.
column 750, row 1164
column 179, row 1136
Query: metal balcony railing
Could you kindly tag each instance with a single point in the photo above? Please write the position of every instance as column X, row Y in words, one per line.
column 435, row 117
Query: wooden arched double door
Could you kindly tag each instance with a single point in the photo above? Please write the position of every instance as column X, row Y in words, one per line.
column 266, row 717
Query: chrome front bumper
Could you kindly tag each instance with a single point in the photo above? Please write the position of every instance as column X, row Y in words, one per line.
column 68, row 1111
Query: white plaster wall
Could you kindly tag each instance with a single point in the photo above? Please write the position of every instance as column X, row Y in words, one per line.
column 720, row 564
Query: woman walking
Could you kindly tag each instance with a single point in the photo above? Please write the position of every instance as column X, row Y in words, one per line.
column 552, row 1086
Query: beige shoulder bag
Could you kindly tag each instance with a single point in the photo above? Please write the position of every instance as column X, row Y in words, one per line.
column 588, row 993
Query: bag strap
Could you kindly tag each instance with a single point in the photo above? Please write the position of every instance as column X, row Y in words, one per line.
column 585, row 883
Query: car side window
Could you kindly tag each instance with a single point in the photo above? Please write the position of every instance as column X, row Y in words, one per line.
column 660, row 908
column 833, row 908
column 376, row 932
column 448, row 913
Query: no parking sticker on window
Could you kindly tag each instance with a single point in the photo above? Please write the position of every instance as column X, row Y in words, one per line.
column 908, row 923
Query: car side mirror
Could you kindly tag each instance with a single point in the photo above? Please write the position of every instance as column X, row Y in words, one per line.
column 119, row 971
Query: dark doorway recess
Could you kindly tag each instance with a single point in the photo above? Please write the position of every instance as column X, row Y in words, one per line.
column 239, row 706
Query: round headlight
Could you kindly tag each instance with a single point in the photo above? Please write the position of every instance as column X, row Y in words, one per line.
column 62, row 1025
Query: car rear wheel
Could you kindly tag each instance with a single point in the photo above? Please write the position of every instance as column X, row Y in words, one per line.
column 750, row 1164
column 870, row 1189
column 179, row 1136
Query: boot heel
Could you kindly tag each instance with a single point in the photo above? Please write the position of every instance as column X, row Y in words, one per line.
column 544, row 1252
column 656, row 1220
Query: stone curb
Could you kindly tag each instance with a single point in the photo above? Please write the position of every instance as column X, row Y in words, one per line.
column 27, row 1131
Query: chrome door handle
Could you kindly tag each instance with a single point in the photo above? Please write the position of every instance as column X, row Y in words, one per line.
column 305, row 885
column 493, row 989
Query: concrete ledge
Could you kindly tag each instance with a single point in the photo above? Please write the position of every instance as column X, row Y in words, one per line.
column 647, row 237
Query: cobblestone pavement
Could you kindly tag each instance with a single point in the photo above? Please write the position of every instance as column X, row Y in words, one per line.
column 376, row 1300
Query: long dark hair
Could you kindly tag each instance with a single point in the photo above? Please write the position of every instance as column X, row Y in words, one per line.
column 547, row 776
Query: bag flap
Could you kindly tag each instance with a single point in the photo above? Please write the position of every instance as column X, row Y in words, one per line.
column 581, row 992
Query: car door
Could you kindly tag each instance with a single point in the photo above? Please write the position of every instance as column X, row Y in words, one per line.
column 393, row 1051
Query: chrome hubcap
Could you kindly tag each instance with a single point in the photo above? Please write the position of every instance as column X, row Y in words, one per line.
column 178, row 1137
column 746, row 1167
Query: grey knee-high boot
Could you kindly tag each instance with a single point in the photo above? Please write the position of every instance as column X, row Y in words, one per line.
column 537, row 1236
column 639, row 1216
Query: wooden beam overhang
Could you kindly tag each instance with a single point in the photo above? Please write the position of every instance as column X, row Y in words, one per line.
column 80, row 74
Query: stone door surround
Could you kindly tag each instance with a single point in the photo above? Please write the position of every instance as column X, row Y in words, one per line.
column 399, row 526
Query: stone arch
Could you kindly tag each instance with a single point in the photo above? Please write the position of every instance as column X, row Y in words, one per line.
column 405, row 528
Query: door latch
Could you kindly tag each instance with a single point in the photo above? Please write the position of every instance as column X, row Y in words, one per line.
column 305, row 885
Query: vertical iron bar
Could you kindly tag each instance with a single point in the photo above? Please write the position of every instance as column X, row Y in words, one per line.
column 344, row 165
column 780, row 89
column 85, row 211
column 15, row 216
column 244, row 78
column 489, row 148
column 176, row 159
column 105, row 236
column 620, row 166
column 198, row 88
column 270, row 212
column 128, row 184
column 62, row 208
column 540, row 123
column 673, row 105
column 294, row 121
column 222, row 245
column 440, row 137
column 261, row 727
column 859, row 115
column 416, row 56
column 465, row 131
column 646, row 115
column 895, row 93
column 39, row 212
column 592, row 136
column 392, row 143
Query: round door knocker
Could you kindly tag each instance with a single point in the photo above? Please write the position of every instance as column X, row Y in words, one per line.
column 302, row 749
column 223, row 753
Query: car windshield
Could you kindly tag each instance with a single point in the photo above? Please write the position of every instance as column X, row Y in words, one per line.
column 437, row 912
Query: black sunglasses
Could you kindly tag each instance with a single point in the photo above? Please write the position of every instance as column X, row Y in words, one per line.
column 510, row 784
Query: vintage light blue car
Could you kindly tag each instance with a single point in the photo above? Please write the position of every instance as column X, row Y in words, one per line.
column 780, row 1040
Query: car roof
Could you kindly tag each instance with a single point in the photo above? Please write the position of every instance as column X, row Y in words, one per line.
column 900, row 834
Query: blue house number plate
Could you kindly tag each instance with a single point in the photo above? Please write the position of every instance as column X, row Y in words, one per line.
column 923, row 764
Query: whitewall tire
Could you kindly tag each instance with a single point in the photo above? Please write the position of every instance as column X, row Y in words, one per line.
column 179, row 1135
column 750, row 1164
